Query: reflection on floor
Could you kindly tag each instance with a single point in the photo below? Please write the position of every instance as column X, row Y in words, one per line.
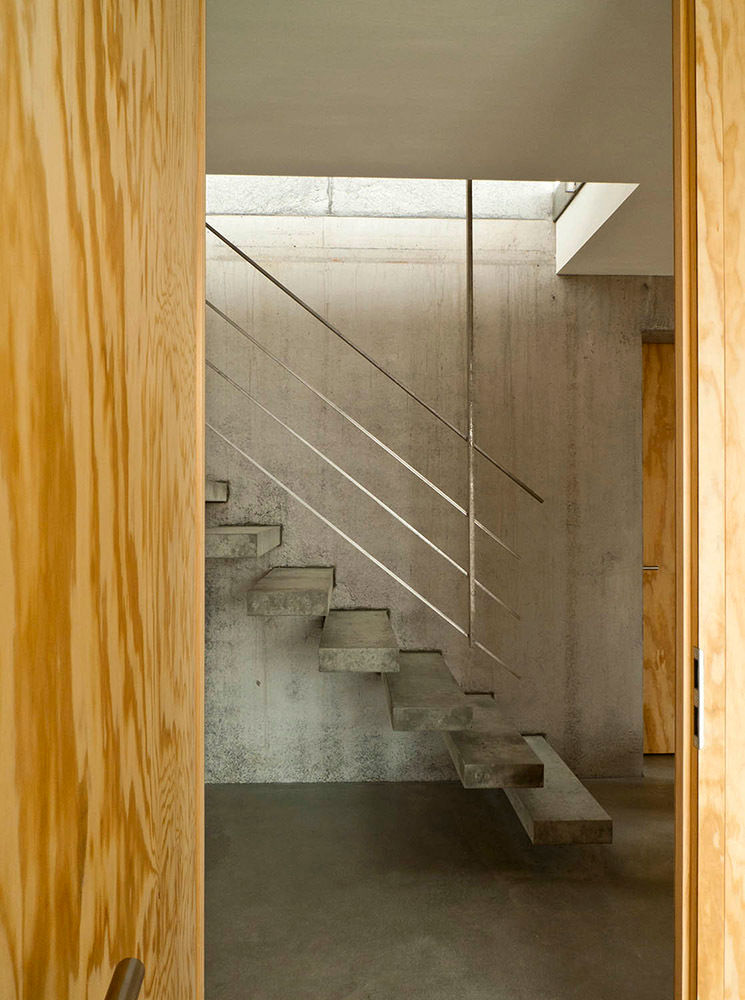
column 431, row 892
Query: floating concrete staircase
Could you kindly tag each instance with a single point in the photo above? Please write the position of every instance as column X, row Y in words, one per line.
column 551, row 803
column 358, row 642
column 239, row 541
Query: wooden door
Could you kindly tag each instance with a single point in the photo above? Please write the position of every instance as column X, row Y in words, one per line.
column 658, row 438
column 101, row 496
column 709, row 49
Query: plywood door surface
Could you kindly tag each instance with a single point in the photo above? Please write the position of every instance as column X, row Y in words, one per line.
column 658, row 435
column 101, row 486
column 710, row 161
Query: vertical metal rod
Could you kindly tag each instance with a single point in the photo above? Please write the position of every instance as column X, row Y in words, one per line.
column 470, row 407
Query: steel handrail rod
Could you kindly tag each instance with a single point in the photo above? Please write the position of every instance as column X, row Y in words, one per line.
column 330, row 326
column 360, row 486
column 496, row 538
column 384, row 371
column 337, row 468
column 361, row 549
column 356, row 424
column 335, row 406
column 498, row 600
column 126, row 981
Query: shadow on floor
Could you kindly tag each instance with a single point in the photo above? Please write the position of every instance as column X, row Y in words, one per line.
column 430, row 892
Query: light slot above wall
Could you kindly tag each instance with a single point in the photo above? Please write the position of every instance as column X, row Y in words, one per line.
column 376, row 197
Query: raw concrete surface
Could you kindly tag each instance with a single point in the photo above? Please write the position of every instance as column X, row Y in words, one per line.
column 216, row 491
column 360, row 641
column 558, row 400
column 430, row 892
column 233, row 541
column 371, row 197
column 423, row 694
column 494, row 760
column 292, row 590
column 563, row 811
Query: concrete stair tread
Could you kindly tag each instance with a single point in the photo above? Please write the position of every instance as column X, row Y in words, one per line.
column 424, row 694
column 233, row 541
column 358, row 641
column 494, row 760
column 487, row 718
column 291, row 590
column 563, row 811
column 216, row 491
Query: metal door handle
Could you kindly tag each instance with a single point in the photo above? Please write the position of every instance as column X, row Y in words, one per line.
column 650, row 568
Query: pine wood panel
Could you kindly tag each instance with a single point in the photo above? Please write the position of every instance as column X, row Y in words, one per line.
column 710, row 159
column 658, row 438
column 710, row 595
column 733, row 285
column 101, row 486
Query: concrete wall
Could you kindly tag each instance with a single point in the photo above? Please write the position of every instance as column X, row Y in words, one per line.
column 376, row 197
column 558, row 401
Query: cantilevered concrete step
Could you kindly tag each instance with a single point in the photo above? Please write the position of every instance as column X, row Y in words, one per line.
column 359, row 642
column 424, row 695
column 215, row 491
column 497, row 759
column 235, row 541
column 563, row 811
column 288, row 590
column 486, row 717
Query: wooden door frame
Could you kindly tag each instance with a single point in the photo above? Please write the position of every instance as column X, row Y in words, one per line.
column 686, row 492
column 709, row 175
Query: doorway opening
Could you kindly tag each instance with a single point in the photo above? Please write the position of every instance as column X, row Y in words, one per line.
column 340, row 385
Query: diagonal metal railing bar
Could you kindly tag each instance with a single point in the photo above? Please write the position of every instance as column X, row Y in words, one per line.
column 361, row 549
column 356, row 424
column 384, row 371
column 493, row 656
column 490, row 593
column 496, row 538
column 360, row 486
column 335, row 330
column 337, row 468
column 337, row 409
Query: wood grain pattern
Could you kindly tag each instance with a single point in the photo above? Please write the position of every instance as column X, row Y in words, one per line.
column 733, row 286
column 710, row 161
column 686, row 803
column 711, row 457
column 658, row 448
column 101, row 496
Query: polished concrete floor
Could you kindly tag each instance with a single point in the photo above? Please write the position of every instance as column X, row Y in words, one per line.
column 431, row 892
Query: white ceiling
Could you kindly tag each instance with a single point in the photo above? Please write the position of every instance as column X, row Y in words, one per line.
column 491, row 89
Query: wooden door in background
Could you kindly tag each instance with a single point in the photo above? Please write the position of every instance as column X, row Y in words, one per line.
column 658, row 436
